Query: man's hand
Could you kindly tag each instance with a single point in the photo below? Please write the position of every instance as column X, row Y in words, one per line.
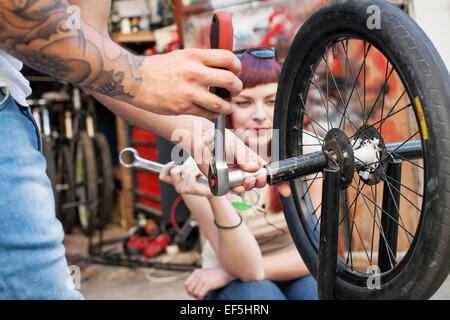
column 238, row 156
column 178, row 82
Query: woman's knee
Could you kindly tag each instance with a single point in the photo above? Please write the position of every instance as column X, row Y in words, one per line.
column 304, row 288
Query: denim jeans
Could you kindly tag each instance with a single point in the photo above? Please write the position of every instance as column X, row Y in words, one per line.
column 32, row 256
column 299, row 289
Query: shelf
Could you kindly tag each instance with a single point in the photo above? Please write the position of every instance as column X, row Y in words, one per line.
column 196, row 8
column 207, row 7
column 148, row 196
column 156, row 212
column 134, row 37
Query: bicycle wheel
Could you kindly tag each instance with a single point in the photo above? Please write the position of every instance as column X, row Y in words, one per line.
column 105, row 178
column 65, row 177
column 86, row 182
column 49, row 155
column 385, row 89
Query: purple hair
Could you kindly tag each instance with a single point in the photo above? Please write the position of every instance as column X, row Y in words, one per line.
column 256, row 71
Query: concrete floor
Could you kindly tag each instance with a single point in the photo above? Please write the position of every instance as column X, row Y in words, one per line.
column 103, row 282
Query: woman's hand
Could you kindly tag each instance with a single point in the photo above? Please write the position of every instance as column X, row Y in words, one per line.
column 201, row 281
column 184, row 178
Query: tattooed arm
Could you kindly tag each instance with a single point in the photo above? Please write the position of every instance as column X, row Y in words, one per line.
column 37, row 32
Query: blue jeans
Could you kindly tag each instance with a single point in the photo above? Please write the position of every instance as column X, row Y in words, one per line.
column 299, row 289
column 32, row 256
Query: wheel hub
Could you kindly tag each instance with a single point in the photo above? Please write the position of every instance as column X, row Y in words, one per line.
column 366, row 154
column 337, row 146
column 370, row 154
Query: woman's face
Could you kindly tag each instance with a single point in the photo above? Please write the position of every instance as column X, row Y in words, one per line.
column 252, row 118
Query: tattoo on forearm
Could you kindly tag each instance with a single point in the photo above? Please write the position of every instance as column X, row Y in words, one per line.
column 36, row 32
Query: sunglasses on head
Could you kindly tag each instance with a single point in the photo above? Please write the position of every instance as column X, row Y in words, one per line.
column 260, row 52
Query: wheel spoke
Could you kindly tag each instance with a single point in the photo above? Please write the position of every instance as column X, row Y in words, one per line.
column 386, row 177
column 315, row 83
column 335, row 105
column 314, row 179
column 355, row 82
column 378, row 97
column 359, row 235
column 305, row 111
column 387, row 213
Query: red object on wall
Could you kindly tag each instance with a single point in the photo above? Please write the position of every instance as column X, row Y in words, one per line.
column 142, row 135
column 148, row 183
column 148, row 191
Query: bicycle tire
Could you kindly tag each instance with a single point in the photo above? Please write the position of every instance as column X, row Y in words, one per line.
column 86, row 182
column 49, row 155
column 405, row 46
column 66, row 190
column 105, row 177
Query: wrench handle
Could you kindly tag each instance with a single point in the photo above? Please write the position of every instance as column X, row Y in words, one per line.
column 221, row 37
column 148, row 165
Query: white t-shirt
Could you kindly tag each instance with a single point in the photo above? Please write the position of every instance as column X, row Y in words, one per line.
column 11, row 77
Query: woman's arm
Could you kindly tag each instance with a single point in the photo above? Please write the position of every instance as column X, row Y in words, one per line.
column 286, row 265
column 236, row 249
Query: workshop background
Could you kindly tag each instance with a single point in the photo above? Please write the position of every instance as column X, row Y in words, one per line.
column 107, row 209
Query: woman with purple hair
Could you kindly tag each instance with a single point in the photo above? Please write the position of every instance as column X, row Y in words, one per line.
column 248, row 253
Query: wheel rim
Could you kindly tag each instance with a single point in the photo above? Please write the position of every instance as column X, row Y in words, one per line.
column 81, row 188
column 340, row 95
column 65, row 186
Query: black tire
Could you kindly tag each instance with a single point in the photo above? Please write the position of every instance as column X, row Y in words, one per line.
column 426, row 263
column 86, row 182
column 105, row 178
column 66, row 189
column 48, row 152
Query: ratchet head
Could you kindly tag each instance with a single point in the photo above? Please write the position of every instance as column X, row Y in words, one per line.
column 221, row 36
column 218, row 178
